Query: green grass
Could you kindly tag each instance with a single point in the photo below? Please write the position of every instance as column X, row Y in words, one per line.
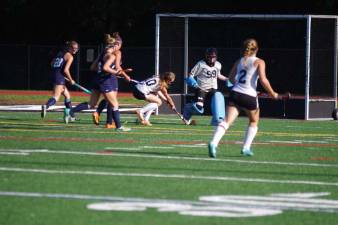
column 167, row 161
column 12, row 99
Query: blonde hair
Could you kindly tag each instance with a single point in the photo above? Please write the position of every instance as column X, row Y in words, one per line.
column 108, row 39
column 111, row 39
column 250, row 46
column 165, row 77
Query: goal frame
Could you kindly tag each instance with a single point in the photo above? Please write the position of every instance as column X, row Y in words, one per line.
column 308, row 19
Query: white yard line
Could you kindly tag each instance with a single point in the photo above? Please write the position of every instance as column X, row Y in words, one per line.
column 135, row 155
column 13, row 153
column 166, row 176
column 37, row 108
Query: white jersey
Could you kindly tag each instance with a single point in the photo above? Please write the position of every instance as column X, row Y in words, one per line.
column 150, row 85
column 246, row 77
column 206, row 76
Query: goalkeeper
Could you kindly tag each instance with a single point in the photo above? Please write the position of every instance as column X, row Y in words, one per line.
column 203, row 78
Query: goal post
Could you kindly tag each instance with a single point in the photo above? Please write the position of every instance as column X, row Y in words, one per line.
column 300, row 52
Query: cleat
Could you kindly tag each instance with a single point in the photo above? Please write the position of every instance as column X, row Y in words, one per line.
column 187, row 122
column 212, row 150
column 247, row 152
column 122, row 129
column 43, row 111
column 146, row 123
column 96, row 118
column 110, row 126
column 73, row 119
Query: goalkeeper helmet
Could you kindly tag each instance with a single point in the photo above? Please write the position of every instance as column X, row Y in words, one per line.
column 211, row 56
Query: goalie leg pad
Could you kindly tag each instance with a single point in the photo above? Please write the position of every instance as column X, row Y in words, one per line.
column 196, row 109
column 191, row 109
column 217, row 108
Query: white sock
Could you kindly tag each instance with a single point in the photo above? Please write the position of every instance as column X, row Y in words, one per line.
column 149, row 107
column 219, row 132
column 148, row 114
column 249, row 136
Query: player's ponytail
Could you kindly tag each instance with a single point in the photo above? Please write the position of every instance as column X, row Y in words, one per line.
column 250, row 47
column 108, row 39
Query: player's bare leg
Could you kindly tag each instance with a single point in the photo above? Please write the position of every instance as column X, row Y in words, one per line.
column 232, row 114
column 251, row 132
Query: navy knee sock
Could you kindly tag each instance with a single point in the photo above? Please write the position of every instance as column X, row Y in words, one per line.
column 68, row 103
column 103, row 104
column 79, row 107
column 116, row 118
column 50, row 102
column 109, row 114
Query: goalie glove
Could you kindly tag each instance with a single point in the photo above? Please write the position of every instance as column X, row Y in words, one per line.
column 191, row 82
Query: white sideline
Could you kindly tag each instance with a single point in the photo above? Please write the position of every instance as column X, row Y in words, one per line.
column 37, row 108
column 166, row 176
column 135, row 155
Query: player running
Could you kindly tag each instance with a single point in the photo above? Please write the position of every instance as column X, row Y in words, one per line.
column 153, row 90
column 60, row 65
column 243, row 96
column 203, row 78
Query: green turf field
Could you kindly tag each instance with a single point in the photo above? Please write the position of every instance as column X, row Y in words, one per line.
column 81, row 174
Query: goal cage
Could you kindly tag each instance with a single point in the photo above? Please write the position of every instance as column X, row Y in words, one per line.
column 300, row 52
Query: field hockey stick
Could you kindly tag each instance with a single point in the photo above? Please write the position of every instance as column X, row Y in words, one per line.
column 134, row 81
column 285, row 96
column 180, row 115
column 80, row 87
column 124, row 71
column 174, row 109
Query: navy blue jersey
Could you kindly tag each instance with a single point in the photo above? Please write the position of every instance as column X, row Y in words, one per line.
column 101, row 63
column 58, row 62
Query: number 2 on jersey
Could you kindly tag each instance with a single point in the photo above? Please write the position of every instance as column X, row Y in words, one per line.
column 57, row 62
column 242, row 75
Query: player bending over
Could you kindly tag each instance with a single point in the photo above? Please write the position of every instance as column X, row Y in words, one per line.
column 153, row 90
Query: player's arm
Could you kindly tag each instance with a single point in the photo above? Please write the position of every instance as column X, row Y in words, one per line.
column 66, row 71
column 163, row 93
column 190, row 80
column 264, row 80
column 109, row 60
column 232, row 73
column 118, row 55
column 222, row 77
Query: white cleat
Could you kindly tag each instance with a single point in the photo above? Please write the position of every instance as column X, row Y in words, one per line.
column 123, row 129
column 247, row 152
